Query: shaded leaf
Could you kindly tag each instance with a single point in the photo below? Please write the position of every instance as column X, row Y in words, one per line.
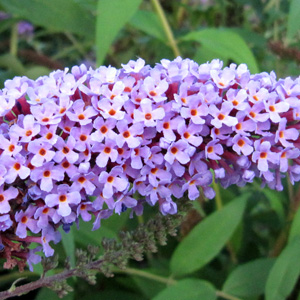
column 68, row 244
column 276, row 202
column 47, row 294
column 5, row 24
column 204, row 54
column 36, row 71
column 148, row 22
column 112, row 295
column 295, row 228
column 56, row 15
column 285, row 272
column 112, row 16
column 148, row 287
column 85, row 235
column 188, row 289
column 293, row 24
column 12, row 63
column 226, row 44
column 249, row 280
column 206, row 240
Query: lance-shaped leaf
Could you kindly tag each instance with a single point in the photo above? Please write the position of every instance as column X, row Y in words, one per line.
column 206, row 240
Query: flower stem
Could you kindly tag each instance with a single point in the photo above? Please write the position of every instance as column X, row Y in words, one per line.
column 165, row 280
column 48, row 281
column 131, row 271
column 172, row 42
column 226, row 296
column 181, row 12
column 13, row 47
column 218, row 197
column 75, row 43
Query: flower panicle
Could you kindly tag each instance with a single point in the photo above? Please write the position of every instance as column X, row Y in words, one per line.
column 90, row 143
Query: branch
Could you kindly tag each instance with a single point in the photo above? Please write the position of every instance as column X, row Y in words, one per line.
column 48, row 281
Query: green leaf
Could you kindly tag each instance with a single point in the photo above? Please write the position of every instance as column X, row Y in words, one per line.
column 68, row 244
column 204, row 54
column 111, row 295
column 285, row 272
column 56, row 15
column 109, row 228
column 12, row 63
column 293, row 25
column 226, row 44
column 295, row 228
column 148, row 287
column 276, row 202
column 36, row 71
column 188, row 289
column 112, row 16
column 148, row 22
column 85, row 235
column 116, row 222
column 47, row 294
column 5, row 24
column 206, row 240
column 249, row 280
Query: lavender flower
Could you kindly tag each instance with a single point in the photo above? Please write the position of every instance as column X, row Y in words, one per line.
column 86, row 141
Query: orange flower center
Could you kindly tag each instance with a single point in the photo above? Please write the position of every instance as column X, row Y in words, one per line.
column 49, row 136
column 186, row 135
column 148, row 116
column 47, row 173
column 65, row 150
column 11, row 148
column 83, row 137
column 103, row 129
column 28, row 133
column 110, row 179
column 107, row 150
column 81, row 179
column 241, row 143
column 263, row 155
column 174, row 150
column 42, row 152
column 24, row 219
column 17, row 166
column 194, row 112
column 166, row 125
column 210, row 149
column 126, row 134
column 221, row 117
column 62, row 198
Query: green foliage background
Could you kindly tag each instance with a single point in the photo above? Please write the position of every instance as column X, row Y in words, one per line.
column 245, row 244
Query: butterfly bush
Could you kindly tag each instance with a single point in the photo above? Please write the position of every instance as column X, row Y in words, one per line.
column 90, row 143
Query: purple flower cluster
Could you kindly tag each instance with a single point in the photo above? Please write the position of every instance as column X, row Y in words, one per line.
column 92, row 142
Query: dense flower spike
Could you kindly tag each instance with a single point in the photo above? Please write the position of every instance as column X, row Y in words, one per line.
column 92, row 142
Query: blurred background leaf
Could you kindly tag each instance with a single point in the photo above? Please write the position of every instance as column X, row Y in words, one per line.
column 293, row 25
column 56, row 15
column 226, row 44
column 112, row 15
